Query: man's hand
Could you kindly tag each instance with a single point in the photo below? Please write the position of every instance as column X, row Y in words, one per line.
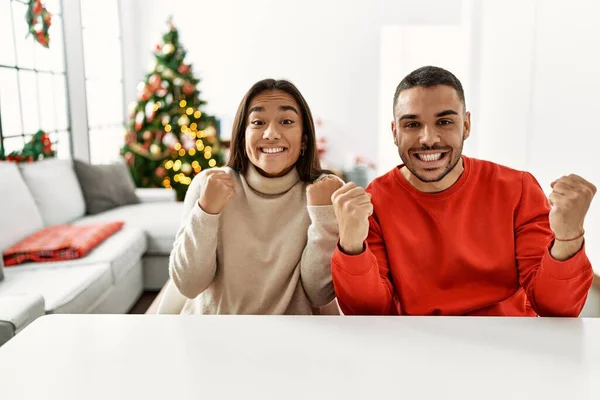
column 570, row 199
column 320, row 192
column 353, row 208
column 216, row 191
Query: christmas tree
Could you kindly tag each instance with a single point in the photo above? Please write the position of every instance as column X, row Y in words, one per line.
column 169, row 139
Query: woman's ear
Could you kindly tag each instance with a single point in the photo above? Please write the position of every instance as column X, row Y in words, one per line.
column 303, row 146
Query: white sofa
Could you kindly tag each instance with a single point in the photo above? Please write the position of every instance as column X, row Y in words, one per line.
column 111, row 277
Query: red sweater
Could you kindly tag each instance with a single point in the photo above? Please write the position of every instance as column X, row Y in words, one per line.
column 480, row 247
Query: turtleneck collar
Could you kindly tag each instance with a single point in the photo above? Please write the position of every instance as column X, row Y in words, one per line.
column 270, row 186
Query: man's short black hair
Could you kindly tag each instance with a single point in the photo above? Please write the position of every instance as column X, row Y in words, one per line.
column 430, row 76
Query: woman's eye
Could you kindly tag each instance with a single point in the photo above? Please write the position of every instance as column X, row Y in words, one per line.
column 287, row 122
column 256, row 122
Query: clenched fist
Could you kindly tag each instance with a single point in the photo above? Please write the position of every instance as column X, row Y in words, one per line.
column 216, row 191
column 320, row 192
column 353, row 207
column 570, row 199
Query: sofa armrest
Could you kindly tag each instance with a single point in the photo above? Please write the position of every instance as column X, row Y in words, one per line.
column 155, row 195
column 17, row 311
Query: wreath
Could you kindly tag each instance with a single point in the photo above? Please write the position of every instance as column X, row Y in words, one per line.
column 39, row 21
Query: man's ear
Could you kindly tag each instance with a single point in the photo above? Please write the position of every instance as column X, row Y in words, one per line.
column 394, row 133
column 467, row 126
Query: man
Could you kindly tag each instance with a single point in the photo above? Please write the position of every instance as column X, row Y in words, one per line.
column 444, row 234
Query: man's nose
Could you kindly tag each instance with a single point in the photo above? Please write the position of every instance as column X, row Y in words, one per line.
column 429, row 136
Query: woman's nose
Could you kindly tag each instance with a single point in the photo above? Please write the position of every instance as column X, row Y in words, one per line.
column 272, row 132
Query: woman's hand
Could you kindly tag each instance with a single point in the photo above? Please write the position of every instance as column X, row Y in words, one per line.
column 320, row 192
column 217, row 190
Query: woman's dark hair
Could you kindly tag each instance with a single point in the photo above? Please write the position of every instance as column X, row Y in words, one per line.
column 308, row 165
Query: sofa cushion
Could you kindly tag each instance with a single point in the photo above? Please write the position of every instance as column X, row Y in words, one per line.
column 159, row 221
column 70, row 290
column 18, row 210
column 121, row 252
column 21, row 309
column 55, row 189
column 105, row 187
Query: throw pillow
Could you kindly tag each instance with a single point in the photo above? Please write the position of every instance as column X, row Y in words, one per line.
column 105, row 186
column 60, row 243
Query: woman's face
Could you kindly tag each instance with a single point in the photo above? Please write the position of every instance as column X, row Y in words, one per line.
column 274, row 133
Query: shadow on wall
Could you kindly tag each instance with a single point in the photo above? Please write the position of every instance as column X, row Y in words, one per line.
column 592, row 305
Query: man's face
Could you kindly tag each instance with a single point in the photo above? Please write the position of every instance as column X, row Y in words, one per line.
column 430, row 126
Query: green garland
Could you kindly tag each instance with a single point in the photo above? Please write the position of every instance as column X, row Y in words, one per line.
column 39, row 147
column 39, row 21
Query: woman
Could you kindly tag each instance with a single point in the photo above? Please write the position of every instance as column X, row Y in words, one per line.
column 258, row 235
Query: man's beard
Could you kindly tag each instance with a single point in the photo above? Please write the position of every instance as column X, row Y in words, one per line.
column 456, row 158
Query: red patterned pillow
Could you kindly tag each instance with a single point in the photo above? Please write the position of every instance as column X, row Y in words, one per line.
column 60, row 242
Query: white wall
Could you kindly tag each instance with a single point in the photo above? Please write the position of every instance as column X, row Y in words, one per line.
column 592, row 305
column 539, row 93
column 329, row 49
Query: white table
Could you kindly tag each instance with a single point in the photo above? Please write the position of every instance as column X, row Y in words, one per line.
column 64, row 357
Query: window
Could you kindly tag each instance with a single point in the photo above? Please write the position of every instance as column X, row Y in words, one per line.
column 104, row 78
column 33, row 93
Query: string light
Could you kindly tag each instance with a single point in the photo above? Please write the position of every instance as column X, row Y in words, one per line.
column 194, row 126
column 199, row 145
column 207, row 155
column 192, row 151
column 189, row 111
column 195, row 164
column 197, row 170
column 177, row 146
column 208, row 149
column 176, row 178
column 184, row 128
column 182, row 152
column 177, row 166
column 169, row 164
column 197, row 114
column 199, row 134
column 212, row 163
column 182, row 103
column 168, row 128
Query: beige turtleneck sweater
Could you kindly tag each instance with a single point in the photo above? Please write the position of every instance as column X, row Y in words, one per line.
column 267, row 252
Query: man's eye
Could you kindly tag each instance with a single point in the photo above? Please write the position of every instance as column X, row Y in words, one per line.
column 287, row 122
column 412, row 125
column 445, row 122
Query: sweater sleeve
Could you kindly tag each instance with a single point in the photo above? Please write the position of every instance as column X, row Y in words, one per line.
column 193, row 260
column 362, row 282
column 315, row 265
column 554, row 288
